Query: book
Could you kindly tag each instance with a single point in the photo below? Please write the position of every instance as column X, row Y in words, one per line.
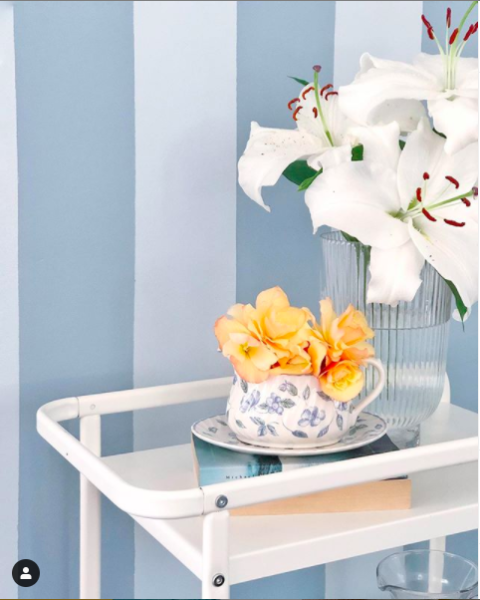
column 213, row 464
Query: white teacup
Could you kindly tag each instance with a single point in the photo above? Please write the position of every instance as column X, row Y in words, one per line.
column 288, row 411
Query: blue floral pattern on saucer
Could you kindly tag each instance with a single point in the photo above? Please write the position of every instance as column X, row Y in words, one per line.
column 216, row 430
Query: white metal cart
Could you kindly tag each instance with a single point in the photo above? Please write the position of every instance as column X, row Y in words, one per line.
column 157, row 488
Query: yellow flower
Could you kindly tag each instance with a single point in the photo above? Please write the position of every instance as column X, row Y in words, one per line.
column 282, row 327
column 342, row 381
column 250, row 357
column 344, row 335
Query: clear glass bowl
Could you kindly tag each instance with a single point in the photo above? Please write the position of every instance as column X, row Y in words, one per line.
column 410, row 339
column 428, row 574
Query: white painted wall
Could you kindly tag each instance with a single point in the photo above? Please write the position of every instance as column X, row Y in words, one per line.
column 9, row 324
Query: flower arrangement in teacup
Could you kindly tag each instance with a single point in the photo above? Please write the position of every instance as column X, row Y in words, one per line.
column 376, row 166
column 296, row 378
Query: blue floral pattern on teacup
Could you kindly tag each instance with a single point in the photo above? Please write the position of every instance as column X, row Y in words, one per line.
column 248, row 403
column 288, row 410
column 312, row 418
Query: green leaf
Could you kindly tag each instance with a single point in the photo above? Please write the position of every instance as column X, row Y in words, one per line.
column 402, row 144
column 308, row 182
column 298, row 171
column 357, row 153
column 462, row 309
column 300, row 81
column 349, row 238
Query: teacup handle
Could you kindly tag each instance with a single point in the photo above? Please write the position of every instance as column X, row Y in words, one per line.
column 376, row 364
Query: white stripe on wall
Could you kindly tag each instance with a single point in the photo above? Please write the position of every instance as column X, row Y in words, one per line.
column 389, row 30
column 185, row 110
column 9, row 328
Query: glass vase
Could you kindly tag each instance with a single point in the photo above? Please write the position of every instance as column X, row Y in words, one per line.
column 410, row 339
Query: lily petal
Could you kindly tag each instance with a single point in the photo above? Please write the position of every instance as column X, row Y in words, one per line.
column 422, row 154
column 380, row 143
column 395, row 274
column 467, row 77
column 358, row 198
column 268, row 154
column 457, row 119
column 452, row 251
column 368, row 100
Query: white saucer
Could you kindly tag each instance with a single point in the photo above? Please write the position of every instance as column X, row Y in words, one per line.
column 215, row 430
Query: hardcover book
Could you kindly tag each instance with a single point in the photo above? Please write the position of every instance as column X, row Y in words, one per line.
column 217, row 465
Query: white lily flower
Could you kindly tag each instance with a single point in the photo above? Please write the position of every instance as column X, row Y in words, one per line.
column 410, row 206
column 386, row 90
column 320, row 138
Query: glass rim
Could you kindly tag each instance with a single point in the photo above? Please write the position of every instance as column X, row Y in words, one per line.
column 335, row 235
column 429, row 552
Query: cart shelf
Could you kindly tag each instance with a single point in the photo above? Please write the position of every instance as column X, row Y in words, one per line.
column 158, row 489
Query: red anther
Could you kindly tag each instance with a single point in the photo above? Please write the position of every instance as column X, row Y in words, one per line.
column 431, row 33
column 454, row 223
column 475, row 27
column 426, row 176
column 449, row 17
column 309, row 89
column 452, row 180
column 428, row 215
column 467, row 202
column 475, row 192
column 426, row 22
column 317, row 68
column 470, row 31
column 324, row 89
column 453, row 37
column 419, row 194
column 296, row 111
column 327, row 96
column 315, row 112
column 292, row 102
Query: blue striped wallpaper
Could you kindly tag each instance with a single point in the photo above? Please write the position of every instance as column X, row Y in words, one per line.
column 101, row 294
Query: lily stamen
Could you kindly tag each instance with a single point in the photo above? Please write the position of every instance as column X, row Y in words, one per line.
column 453, row 37
column 296, row 111
column 467, row 202
column 292, row 102
column 454, row 223
column 327, row 96
column 305, row 92
column 453, row 181
column 428, row 215
column 325, row 88
column 419, row 194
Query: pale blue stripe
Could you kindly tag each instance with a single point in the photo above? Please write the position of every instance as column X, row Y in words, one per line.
column 277, row 39
column 76, row 262
column 9, row 351
column 185, row 93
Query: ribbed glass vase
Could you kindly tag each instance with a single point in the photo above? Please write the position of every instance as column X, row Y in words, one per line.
column 410, row 339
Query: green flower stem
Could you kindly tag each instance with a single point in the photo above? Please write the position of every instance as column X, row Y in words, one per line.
column 453, row 53
column 320, row 111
